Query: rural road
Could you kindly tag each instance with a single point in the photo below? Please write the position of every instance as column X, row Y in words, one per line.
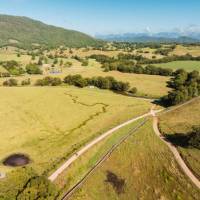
column 173, row 149
column 75, row 156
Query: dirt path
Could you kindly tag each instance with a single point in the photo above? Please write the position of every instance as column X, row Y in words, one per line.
column 75, row 156
column 175, row 152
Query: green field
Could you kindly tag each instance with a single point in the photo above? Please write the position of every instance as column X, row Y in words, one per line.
column 141, row 168
column 187, row 65
column 181, row 121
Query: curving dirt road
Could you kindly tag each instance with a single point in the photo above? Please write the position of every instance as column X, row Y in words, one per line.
column 75, row 156
column 173, row 149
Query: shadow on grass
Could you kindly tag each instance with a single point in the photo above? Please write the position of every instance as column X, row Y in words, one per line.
column 117, row 183
column 179, row 139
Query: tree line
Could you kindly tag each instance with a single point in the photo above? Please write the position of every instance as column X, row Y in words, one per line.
column 185, row 86
column 126, row 63
column 108, row 83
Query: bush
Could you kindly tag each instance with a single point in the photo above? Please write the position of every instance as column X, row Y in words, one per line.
column 48, row 81
column 85, row 63
column 33, row 69
column 68, row 64
column 26, row 82
column 76, row 80
column 133, row 90
column 10, row 83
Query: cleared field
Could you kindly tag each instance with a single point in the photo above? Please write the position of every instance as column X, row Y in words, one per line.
column 147, row 85
column 56, row 121
column 141, row 168
column 23, row 59
column 181, row 50
column 181, row 121
column 187, row 65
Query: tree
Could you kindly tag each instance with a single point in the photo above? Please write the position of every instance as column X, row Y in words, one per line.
column 40, row 61
column 133, row 90
column 38, row 188
column 10, row 82
column 26, row 82
column 33, row 69
column 194, row 140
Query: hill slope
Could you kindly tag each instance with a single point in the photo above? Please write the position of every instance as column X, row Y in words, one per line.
column 25, row 32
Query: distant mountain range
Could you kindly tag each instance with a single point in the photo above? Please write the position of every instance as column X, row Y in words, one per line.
column 165, row 37
column 25, row 32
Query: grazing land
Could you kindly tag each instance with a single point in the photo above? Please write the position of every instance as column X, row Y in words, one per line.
column 56, row 121
column 149, row 160
column 44, row 126
column 183, row 50
column 186, row 65
column 179, row 123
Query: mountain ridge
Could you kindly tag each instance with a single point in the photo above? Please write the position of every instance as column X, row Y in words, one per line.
column 25, row 32
column 162, row 37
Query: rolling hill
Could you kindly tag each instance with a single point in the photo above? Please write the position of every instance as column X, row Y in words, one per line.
column 25, row 32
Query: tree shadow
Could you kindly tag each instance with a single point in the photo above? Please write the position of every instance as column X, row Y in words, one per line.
column 117, row 183
column 178, row 139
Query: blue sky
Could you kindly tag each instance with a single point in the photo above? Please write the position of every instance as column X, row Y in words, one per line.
column 109, row 16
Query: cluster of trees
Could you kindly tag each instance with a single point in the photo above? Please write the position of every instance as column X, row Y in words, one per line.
column 133, row 45
column 13, row 82
column 49, row 81
column 138, row 69
column 84, row 62
column 194, row 138
column 38, row 188
column 33, row 69
column 168, row 59
column 185, row 86
column 10, row 82
column 108, row 83
column 100, row 82
column 13, row 68
column 4, row 74
column 126, row 63
column 165, row 51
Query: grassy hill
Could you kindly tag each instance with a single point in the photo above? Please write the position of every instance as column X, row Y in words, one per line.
column 26, row 32
column 178, row 124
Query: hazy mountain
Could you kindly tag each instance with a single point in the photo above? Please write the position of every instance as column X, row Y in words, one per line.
column 152, row 37
column 25, row 32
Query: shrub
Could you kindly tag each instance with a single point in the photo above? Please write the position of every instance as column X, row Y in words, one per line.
column 133, row 90
column 26, row 82
column 48, row 81
column 10, row 83
column 68, row 64
column 85, row 63
column 33, row 69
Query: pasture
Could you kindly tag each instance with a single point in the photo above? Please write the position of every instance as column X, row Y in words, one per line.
column 147, row 85
column 182, row 50
column 149, row 172
column 56, row 121
column 186, row 65
column 181, row 121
